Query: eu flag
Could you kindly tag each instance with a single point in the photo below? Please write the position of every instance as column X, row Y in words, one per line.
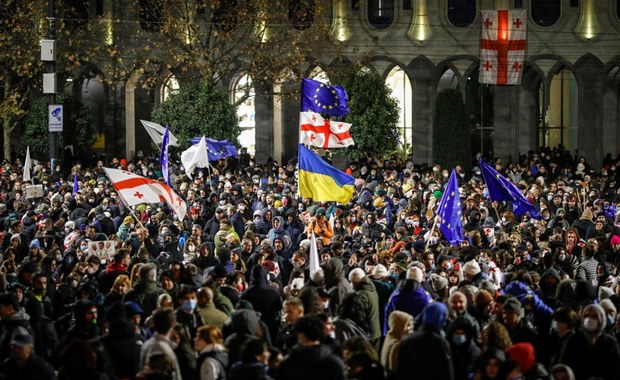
column 218, row 149
column 449, row 211
column 320, row 97
column 501, row 189
column 163, row 156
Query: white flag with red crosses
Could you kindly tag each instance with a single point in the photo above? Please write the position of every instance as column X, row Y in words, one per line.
column 502, row 47
column 134, row 190
column 324, row 133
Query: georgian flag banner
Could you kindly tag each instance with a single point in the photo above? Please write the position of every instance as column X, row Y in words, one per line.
column 134, row 190
column 502, row 47
column 323, row 133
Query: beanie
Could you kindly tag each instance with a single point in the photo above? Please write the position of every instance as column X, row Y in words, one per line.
column 128, row 220
column 438, row 282
column 356, row 275
column 482, row 298
column 615, row 239
column 513, row 304
column 471, row 268
column 523, row 355
column 414, row 273
column 35, row 244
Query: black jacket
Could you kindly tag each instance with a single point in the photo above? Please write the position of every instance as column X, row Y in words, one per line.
column 310, row 363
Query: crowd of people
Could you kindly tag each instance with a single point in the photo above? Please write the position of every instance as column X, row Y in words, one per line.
column 95, row 289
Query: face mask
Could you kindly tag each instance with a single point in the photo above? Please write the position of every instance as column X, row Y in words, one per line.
column 58, row 258
column 504, row 220
column 191, row 248
column 131, row 226
column 610, row 320
column 462, row 175
column 590, row 325
column 562, row 256
column 445, row 175
column 459, row 340
column 91, row 200
column 84, row 248
column 433, row 239
column 222, row 203
column 325, row 305
column 189, row 305
column 449, row 266
column 67, row 230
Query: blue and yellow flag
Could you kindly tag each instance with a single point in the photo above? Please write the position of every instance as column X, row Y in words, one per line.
column 449, row 210
column 501, row 189
column 322, row 182
column 320, row 97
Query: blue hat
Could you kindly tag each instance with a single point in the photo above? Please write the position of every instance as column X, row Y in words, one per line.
column 35, row 244
column 132, row 308
column 21, row 340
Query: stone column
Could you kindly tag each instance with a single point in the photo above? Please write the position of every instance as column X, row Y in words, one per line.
column 264, row 121
column 505, row 137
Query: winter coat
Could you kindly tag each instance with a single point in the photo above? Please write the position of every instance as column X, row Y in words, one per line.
column 409, row 297
column 370, row 299
column 310, row 363
column 264, row 298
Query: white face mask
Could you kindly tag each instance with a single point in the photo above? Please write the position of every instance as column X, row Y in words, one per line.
column 590, row 325
column 191, row 248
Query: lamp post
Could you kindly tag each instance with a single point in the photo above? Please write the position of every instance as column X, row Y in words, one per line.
column 48, row 54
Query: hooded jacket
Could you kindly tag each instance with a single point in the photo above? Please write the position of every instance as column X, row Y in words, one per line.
column 595, row 354
column 409, row 297
column 370, row 300
column 426, row 354
column 264, row 299
column 335, row 283
column 391, row 346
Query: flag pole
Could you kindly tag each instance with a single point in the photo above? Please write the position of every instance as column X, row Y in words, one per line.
column 430, row 233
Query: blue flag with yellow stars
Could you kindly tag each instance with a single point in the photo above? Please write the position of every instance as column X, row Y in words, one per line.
column 501, row 189
column 449, row 211
column 322, row 98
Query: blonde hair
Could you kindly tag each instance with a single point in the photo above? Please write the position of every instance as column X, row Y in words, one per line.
column 210, row 334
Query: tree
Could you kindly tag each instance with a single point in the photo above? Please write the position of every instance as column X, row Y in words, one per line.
column 196, row 110
column 213, row 40
column 451, row 133
column 77, row 129
column 373, row 113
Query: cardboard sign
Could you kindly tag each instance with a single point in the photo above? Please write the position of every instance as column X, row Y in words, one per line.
column 33, row 191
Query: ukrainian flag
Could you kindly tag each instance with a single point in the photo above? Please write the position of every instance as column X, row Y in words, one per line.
column 322, row 182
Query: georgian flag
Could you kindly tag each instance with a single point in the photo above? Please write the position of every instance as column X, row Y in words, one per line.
column 316, row 131
column 502, row 47
column 134, row 190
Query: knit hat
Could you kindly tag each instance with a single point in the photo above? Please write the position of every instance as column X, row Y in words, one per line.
column 70, row 225
column 523, row 355
column 128, row 219
column 587, row 215
column 482, row 298
column 513, row 304
column 615, row 240
column 438, row 282
column 414, row 273
column 35, row 244
column 380, row 271
column 356, row 275
column 471, row 268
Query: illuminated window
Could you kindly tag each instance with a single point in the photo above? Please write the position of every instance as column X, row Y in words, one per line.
column 398, row 81
column 244, row 89
column 170, row 86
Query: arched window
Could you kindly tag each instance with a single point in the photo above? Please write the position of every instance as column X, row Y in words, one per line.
column 546, row 12
column 224, row 16
column 560, row 122
column 399, row 82
column 150, row 15
column 76, row 13
column 244, row 89
column 448, row 80
column 301, row 13
column 461, row 13
column 380, row 13
column 169, row 87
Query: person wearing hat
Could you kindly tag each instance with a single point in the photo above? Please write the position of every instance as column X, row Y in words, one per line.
column 380, row 278
column 518, row 328
column 124, row 230
column 409, row 296
column 320, row 226
column 23, row 363
column 364, row 287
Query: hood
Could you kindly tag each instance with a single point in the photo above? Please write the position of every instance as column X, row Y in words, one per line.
column 19, row 315
column 601, row 317
column 367, row 285
column 244, row 322
column 463, row 324
column 563, row 367
column 281, row 219
column 398, row 321
column 333, row 270
column 434, row 314
column 258, row 276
